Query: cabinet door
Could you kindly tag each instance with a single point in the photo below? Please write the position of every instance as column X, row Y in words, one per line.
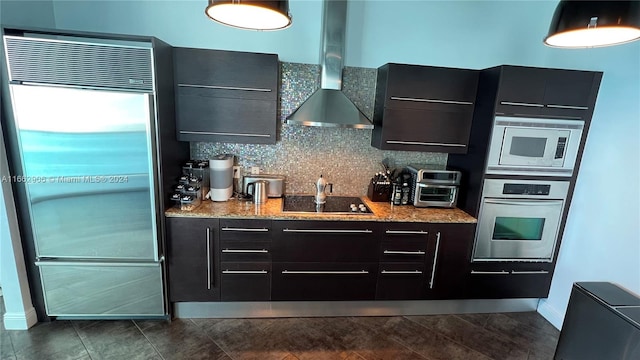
column 192, row 248
column 426, row 130
column 568, row 89
column 202, row 116
column 509, row 280
column 325, row 241
column 324, row 281
column 428, row 83
column 522, row 87
column 226, row 96
column 401, row 281
column 452, row 245
column 245, row 281
column 226, row 68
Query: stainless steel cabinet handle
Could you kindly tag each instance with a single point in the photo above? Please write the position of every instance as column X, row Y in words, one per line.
column 246, row 251
column 218, row 87
column 523, row 202
column 397, row 252
column 490, row 272
column 414, row 232
column 244, row 271
column 309, row 272
column 245, row 229
column 416, row 272
column 437, row 101
column 567, row 107
column 208, row 259
column 520, row 104
column 514, row 272
column 423, row 143
column 328, row 231
column 435, row 260
column 222, row 133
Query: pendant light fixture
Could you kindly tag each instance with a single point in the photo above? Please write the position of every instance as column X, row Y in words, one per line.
column 584, row 24
column 250, row 15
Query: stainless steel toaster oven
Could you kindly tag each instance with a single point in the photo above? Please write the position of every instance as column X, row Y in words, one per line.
column 432, row 187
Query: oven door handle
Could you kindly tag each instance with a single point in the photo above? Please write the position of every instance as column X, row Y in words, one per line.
column 523, row 203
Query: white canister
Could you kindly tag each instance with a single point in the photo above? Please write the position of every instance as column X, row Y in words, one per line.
column 221, row 177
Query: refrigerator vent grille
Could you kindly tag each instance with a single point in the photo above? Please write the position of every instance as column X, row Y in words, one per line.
column 80, row 64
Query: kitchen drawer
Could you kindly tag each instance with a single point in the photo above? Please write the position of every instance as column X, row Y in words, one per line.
column 324, row 281
column 401, row 281
column 245, row 229
column 325, row 241
column 499, row 284
column 404, row 242
column 245, row 250
column 245, row 281
column 102, row 289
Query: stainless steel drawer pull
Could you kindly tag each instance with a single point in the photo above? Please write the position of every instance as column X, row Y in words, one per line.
column 309, row 272
column 397, row 252
column 408, row 232
column 435, row 261
column 245, row 229
column 222, row 133
column 567, row 107
column 423, row 143
column 244, row 271
column 218, row 87
column 520, row 104
column 529, row 272
column 208, row 258
column 246, row 251
column 415, row 272
column 475, row 272
column 328, row 231
column 437, row 101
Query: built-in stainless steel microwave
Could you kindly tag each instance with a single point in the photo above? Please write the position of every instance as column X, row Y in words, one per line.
column 547, row 147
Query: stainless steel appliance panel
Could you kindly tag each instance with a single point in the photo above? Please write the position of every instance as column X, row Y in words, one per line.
column 102, row 288
column 519, row 220
column 87, row 158
column 528, row 146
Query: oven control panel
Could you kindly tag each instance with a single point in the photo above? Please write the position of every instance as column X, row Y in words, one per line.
column 526, row 189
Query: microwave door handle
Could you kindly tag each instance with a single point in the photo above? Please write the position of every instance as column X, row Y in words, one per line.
column 523, row 203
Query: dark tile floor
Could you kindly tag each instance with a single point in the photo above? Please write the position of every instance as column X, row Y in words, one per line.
column 470, row 336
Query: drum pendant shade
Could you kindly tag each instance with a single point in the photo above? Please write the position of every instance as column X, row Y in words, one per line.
column 250, row 15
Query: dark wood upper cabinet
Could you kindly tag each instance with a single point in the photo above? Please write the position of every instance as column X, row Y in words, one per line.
column 226, row 96
column 423, row 108
column 541, row 92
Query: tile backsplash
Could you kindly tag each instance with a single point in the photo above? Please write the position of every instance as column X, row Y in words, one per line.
column 344, row 157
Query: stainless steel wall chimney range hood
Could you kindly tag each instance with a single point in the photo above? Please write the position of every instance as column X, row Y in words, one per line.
column 328, row 106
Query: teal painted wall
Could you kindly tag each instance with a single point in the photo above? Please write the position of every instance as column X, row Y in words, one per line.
column 602, row 238
column 35, row 13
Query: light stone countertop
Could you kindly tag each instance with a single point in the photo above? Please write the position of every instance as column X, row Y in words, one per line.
column 272, row 209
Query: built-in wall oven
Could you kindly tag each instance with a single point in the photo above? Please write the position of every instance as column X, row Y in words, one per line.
column 532, row 146
column 519, row 220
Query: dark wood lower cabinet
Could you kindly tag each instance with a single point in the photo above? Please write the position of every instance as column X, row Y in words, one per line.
column 452, row 246
column 245, row 281
column 401, row 281
column 324, row 281
column 192, row 248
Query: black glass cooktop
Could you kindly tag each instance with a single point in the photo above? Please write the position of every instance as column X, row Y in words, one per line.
column 333, row 205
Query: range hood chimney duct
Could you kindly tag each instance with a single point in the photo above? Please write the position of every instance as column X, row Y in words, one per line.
column 328, row 106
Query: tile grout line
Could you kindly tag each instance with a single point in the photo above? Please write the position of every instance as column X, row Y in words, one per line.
column 506, row 336
column 501, row 336
column 212, row 340
column 397, row 342
column 148, row 340
column 450, row 339
column 75, row 329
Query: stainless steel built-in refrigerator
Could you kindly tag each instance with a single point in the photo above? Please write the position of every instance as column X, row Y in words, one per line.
column 89, row 157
